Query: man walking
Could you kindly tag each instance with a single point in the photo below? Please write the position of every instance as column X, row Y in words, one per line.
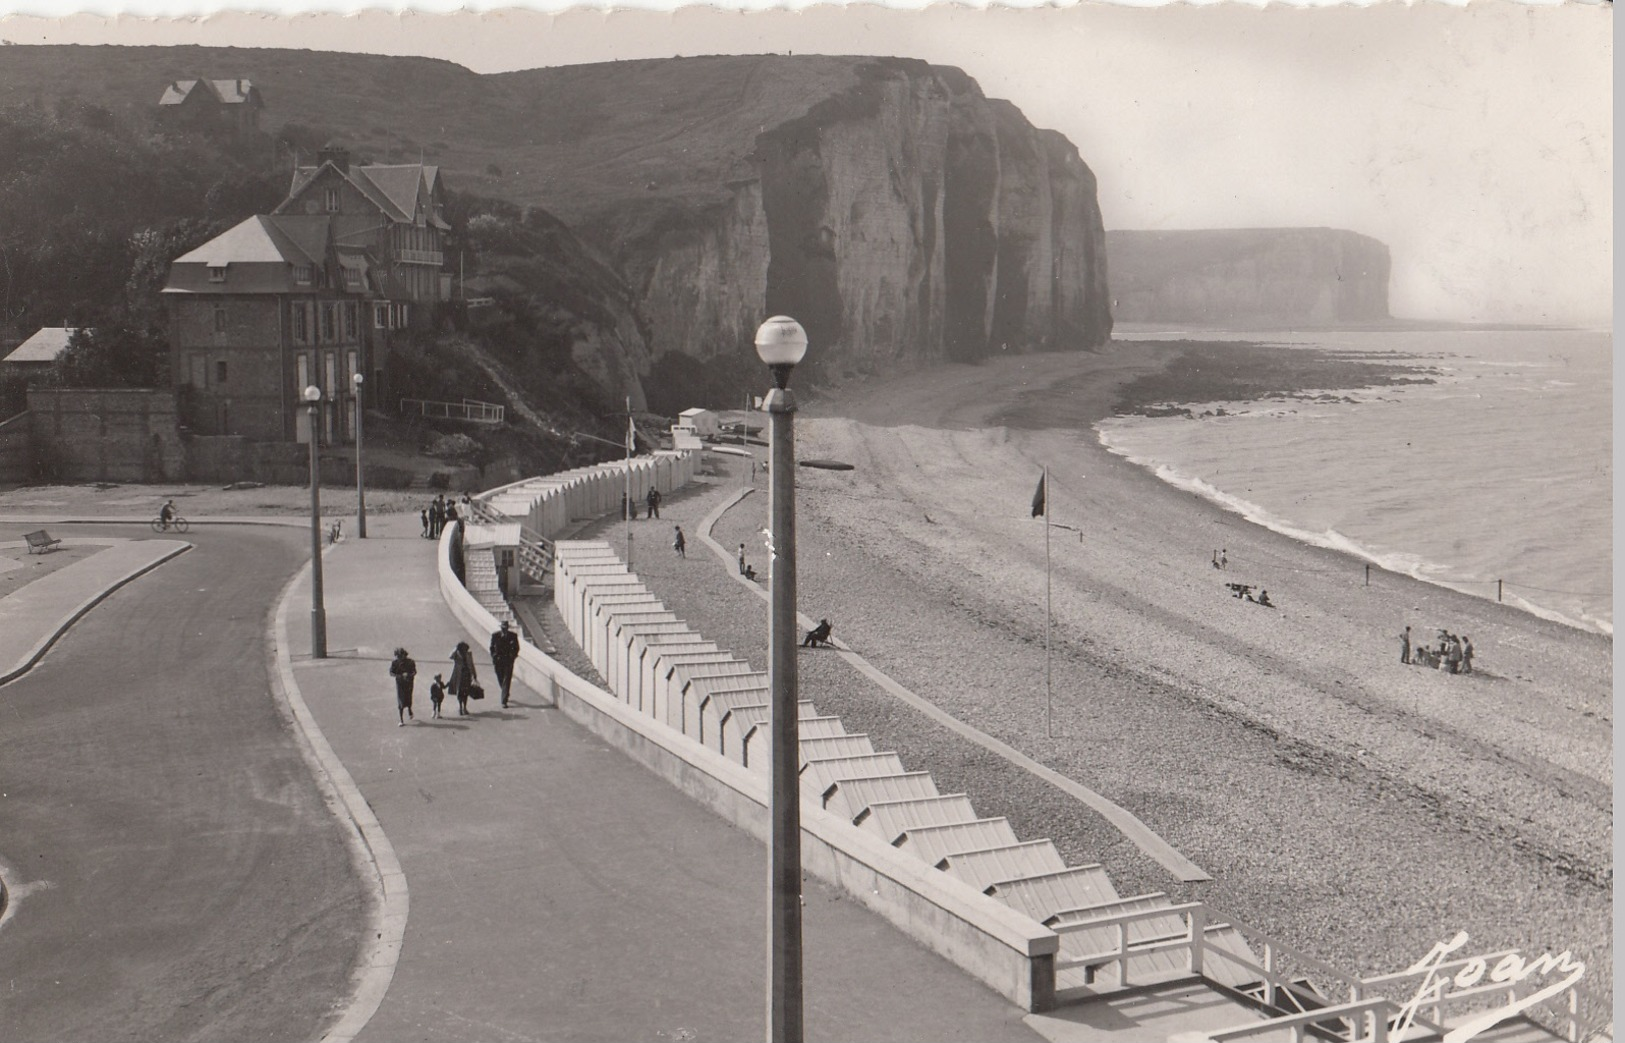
column 1405, row 647
column 504, row 650
column 405, row 672
column 678, row 543
column 654, row 502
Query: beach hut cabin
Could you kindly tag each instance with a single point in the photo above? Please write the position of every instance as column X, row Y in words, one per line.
column 702, row 422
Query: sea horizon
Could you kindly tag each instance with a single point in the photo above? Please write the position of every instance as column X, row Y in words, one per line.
column 1432, row 480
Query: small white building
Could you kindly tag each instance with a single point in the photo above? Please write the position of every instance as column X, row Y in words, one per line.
column 702, row 422
column 37, row 353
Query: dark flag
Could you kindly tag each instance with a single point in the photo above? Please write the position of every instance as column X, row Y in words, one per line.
column 1038, row 497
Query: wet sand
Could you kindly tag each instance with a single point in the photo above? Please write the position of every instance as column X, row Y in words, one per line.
column 1356, row 808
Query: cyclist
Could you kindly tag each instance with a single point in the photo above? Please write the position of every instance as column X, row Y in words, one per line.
column 166, row 514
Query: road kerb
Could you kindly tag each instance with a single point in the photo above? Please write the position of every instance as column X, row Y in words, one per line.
column 369, row 846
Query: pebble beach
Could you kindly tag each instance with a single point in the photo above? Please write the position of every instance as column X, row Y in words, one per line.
column 1357, row 809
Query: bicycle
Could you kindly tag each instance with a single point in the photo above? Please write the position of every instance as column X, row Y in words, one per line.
column 177, row 523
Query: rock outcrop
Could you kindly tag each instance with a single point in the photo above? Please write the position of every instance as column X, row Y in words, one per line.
column 897, row 213
column 1254, row 275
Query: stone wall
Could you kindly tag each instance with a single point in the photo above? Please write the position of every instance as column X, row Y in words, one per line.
column 105, row 435
column 16, row 451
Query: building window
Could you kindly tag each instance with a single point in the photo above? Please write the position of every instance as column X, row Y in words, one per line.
column 380, row 316
column 220, row 318
column 351, row 323
column 400, row 320
column 333, row 200
column 217, row 273
column 301, row 274
column 330, row 330
column 220, row 371
column 301, row 323
column 301, row 373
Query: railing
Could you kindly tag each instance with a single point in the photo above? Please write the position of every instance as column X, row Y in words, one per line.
column 1194, row 914
column 1368, row 1021
column 434, row 257
column 468, row 409
column 535, row 552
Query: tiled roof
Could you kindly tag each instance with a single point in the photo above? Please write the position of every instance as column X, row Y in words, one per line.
column 43, row 346
column 400, row 184
column 308, row 233
column 253, row 241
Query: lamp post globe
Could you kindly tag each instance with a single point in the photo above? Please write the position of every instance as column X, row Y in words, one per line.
column 781, row 343
column 318, row 614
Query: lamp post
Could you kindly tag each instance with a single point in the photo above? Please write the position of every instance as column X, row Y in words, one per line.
column 360, row 482
column 781, row 343
column 318, row 615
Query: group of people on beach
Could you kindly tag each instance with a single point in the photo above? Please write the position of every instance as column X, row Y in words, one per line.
column 442, row 512
column 629, row 507
column 1453, row 653
column 464, row 683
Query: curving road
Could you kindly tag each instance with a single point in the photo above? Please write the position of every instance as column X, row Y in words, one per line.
column 175, row 873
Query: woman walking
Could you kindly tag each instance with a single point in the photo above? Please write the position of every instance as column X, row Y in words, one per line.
column 405, row 672
column 462, row 676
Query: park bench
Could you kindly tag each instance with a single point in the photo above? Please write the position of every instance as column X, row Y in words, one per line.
column 40, row 541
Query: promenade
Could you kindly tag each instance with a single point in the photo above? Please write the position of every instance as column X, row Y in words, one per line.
column 558, row 890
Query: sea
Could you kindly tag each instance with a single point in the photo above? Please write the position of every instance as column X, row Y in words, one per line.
column 1494, row 480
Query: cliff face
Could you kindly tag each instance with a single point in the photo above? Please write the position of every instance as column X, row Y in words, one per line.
column 1272, row 275
column 885, row 203
column 903, row 216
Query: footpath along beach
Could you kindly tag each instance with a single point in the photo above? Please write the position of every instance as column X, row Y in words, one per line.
column 1357, row 808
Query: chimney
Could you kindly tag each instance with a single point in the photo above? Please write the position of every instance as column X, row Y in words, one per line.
column 340, row 157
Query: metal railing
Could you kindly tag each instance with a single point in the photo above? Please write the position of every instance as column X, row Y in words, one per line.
column 468, row 409
column 535, row 551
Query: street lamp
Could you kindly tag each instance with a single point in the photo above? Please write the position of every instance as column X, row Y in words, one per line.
column 318, row 615
column 781, row 343
column 360, row 483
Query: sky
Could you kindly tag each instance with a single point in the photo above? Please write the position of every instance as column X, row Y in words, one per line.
column 1476, row 142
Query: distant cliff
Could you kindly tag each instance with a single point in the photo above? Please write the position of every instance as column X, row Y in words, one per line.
column 1274, row 275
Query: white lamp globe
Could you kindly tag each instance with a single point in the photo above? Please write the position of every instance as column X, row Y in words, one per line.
column 312, row 394
column 356, row 379
column 781, row 341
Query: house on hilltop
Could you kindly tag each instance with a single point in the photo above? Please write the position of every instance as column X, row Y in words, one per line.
column 212, row 105
column 313, row 293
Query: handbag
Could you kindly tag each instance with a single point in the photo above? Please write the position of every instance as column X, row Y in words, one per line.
column 476, row 692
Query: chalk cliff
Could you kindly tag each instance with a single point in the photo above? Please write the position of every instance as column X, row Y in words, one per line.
column 1266, row 275
column 885, row 203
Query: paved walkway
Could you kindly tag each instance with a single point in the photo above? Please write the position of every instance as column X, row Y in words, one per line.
column 557, row 889
column 36, row 614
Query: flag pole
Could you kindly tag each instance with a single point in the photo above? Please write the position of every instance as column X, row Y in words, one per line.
column 627, row 508
column 1049, row 506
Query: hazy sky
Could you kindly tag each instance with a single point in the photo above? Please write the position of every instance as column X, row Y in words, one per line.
column 1476, row 142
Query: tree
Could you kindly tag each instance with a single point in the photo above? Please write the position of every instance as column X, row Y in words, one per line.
column 116, row 356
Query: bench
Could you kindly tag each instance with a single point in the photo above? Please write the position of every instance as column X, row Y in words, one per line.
column 40, row 541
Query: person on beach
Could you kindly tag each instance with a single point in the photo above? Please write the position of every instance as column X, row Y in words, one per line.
column 1466, row 654
column 741, row 559
column 504, row 651
column 437, row 695
column 462, row 676
column 436, row 518
column 405, row 672
column 654, row 502
column 1215, row 559
column 679, row 543
column 1224, row 559
column 818, row 635
column 1405, row 647
column 1453, row 655
column 1264, row 599
column 424, row 516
